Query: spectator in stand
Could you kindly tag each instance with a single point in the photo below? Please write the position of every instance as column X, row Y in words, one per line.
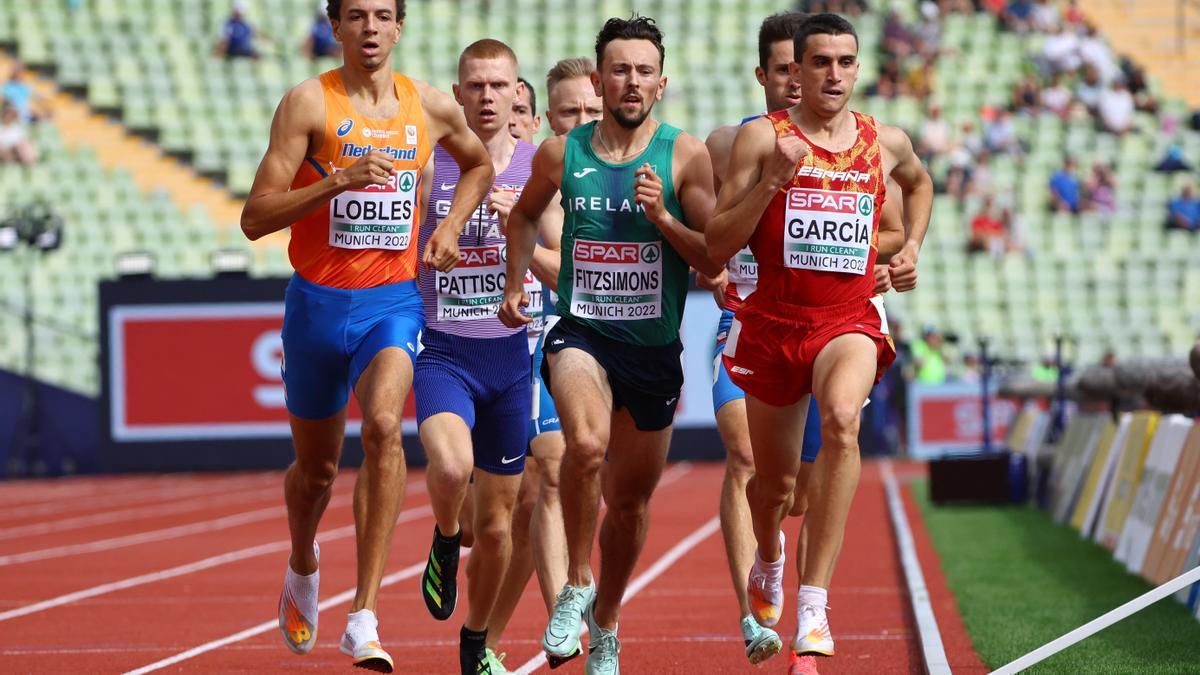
column 1115, row 109
column 1046, row 370
column 1060, row 52
column 1183, row 212
column 1014, row 228
column 1173, row 161
column 928, row 361
column 21, row 95
column 1056, row 98
column 898, row 40
column 1064, row 188
column 1017, row 15
column 929, row 28
column 890, row 83
column 921, row 79
column 1135, row 79
column 237, row 35
column 320, row 42
column 1094, row 51
column 1072, row 15
column 934, row 139
column 1045, row 16
column 1100, row 190
column 15, row 144
column 987, row 233
column 972, row 371
column 1089, row 89
column 1000, row 133
column 1027, row 95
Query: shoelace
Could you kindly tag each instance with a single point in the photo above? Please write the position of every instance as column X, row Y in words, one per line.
column 565, row 607
column 607, row 644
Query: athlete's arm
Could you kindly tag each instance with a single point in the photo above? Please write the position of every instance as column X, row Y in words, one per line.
column 719, row 144
column 298, row 126
column 541, row 187
column 759, row 166
column 891, row 224
column 693, row 184
column 917, row 188
column 547, row 256
column 447, row 126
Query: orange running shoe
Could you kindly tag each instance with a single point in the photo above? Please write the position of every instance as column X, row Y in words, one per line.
column 802, row 664
column 765, row 588
column 298, row 615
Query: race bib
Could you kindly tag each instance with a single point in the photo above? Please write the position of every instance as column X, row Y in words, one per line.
column 828, row 230
column 617, row 281
column 743, row 268
column 376, row 216
column 475, row 288
column 536, row 310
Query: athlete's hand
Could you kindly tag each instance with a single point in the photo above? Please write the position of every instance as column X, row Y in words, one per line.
column 648, row 193
column 902, row 269
column 373, row 168
column 515, row 298
column 883, row 280
column 441, row 253
column 501, row 202
column 715, row 284
column 781, row 166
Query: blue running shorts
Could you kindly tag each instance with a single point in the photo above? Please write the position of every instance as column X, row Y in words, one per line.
column 724, row 391
column 330, row 336
column 486, row 382
column 543, row 416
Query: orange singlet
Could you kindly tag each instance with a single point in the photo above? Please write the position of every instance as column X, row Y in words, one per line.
column 368, row 237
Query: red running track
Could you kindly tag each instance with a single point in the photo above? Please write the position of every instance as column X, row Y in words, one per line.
column 120, row 574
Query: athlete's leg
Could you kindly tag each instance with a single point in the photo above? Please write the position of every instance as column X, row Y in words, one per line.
column 584, row 401
column 381, row 391
column 736, row 527
column 547, row 536
column 520, row 562
column 776, row 436
column 447, row 441
column 308, row 482
column 635, row 462
column 495, row 496
column 843, row 374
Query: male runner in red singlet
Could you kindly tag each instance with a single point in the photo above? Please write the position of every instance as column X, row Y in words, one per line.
column 344, row 170
column 805, row 187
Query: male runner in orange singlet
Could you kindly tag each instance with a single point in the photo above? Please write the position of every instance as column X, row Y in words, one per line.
column 344, row 170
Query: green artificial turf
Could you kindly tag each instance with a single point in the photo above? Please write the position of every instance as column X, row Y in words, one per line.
column 1022, row 580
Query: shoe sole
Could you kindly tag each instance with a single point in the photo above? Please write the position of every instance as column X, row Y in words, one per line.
column 374, row 663
column 556, row 661
column 813, row 652
column 759, row 652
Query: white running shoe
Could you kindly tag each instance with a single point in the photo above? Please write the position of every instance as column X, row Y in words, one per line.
column 362, row 645
column 298, row 616
column 812, row 632
column 765, row 588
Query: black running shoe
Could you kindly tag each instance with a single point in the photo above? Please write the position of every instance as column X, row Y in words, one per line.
column 472, row 653
column 439, row 582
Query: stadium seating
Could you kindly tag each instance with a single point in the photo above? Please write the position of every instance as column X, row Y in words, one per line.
column 1120, row 282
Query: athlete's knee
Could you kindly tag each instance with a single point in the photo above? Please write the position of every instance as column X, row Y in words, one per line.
column 315, row 478
column 628, row 504
column 549, row 476
column 739, row 462
column 448, row 477
column 839, row 425
column 587, row 449
column 381, row 433
column 493, row 530
column 770, row 491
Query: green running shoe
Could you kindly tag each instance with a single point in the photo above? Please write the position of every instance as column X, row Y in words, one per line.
column 761, row 643
column 561, row 639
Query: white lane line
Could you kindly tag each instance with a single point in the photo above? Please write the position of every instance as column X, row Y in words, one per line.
column 1100, row 623
column 158, row 491
column 189, row 568
column 174, row 532
column 138, row 512
column 273, row 624
column 932, row 649
column 644, row 579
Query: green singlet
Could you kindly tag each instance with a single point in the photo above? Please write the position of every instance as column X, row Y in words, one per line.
column 619, row 276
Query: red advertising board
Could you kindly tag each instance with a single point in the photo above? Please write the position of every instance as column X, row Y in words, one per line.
column 949, row 418
column 201, row 371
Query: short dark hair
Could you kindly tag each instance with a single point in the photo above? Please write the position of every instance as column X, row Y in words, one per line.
column 776, row 28
column 821, row 24
column 634, row 28
column 532, row 94
column 333, row 9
